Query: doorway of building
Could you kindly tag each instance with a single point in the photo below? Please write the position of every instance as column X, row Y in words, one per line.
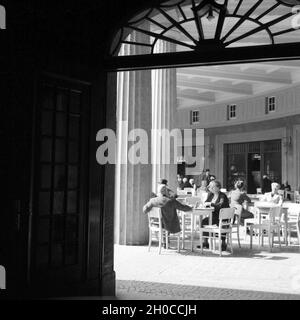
column 254, row 172
column 250, row 161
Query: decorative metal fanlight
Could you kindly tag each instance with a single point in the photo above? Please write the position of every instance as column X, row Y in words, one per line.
column 208, row 7
column 191, row 25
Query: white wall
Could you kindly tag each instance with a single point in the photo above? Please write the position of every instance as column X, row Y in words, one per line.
column 248, row 110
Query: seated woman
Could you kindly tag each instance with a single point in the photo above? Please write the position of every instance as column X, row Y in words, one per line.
column 238, row 197
column 217, row 200
column 273, row 196
column 169, row 207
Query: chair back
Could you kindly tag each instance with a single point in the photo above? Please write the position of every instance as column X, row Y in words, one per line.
column 293, row 211
column 226, row 216
column 297, row 196
column 275, row 214
column 193, row 201
column 154, row 219
column 181, row 193
column 282, row 193
column 258, row 191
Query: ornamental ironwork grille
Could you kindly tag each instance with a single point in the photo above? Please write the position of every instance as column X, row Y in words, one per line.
column 194, row 25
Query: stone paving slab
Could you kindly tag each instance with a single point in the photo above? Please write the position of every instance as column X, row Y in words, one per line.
column 142, row 290
column 257, row 270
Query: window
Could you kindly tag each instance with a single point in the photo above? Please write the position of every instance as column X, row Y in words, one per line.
column 231, row 112
column 195, row 117
column 270, row 104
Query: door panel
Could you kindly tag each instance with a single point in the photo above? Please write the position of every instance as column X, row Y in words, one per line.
column 60, row 192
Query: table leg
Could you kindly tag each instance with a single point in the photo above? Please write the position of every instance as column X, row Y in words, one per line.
column 286, row 228
column 259, row 232
column 200, row 226
column 210, row 238
column 192, row 232
column 183, row 228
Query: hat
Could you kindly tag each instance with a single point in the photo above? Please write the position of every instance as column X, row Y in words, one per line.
column 163, row 181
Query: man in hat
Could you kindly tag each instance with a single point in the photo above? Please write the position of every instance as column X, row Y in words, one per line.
column 170, row 193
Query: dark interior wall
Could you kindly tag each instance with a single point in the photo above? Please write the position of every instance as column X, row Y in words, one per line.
column 65, row 39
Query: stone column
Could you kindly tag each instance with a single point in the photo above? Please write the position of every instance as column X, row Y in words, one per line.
column 133, row 181
column 164, row 107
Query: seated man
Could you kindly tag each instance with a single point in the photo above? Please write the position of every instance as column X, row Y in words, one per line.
column 169, row 207
column 186, row 183
column 273, row 196
column 238, row 197
column 170, row 193
column 217, row 200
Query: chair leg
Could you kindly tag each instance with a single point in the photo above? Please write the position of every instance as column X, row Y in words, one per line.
column 183, row 230
column 167, row 239
column 262, row 239
column 279, row 238
column 270, row 241
column 201, row 241
column 160, row 240
column 150, row 240
column 220, row 245
column 298, row 233
column 251, row 236
column 178, row 242
column 238, row 235
column 231, row 246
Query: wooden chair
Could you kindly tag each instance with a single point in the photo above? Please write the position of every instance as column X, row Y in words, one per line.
column 293, row 222
column 268, row 226
column 155, row 227
column 226, row 217
column 297, row 196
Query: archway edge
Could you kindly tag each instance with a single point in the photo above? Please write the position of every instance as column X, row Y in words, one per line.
column 211, row 56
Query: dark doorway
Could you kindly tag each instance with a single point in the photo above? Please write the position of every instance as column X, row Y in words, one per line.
column 249, row 161
column 254, row 172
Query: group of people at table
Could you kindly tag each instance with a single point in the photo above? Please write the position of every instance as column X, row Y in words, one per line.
column 167, row 200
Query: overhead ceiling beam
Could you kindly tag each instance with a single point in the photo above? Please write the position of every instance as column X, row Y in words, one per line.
column 242, row 89
column 206, row 96
column 286, row 64
column 247, row 75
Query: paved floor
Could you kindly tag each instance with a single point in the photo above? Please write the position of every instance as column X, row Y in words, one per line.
column 247, row 274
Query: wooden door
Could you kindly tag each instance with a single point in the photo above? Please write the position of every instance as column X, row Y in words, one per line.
column 59, row 200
